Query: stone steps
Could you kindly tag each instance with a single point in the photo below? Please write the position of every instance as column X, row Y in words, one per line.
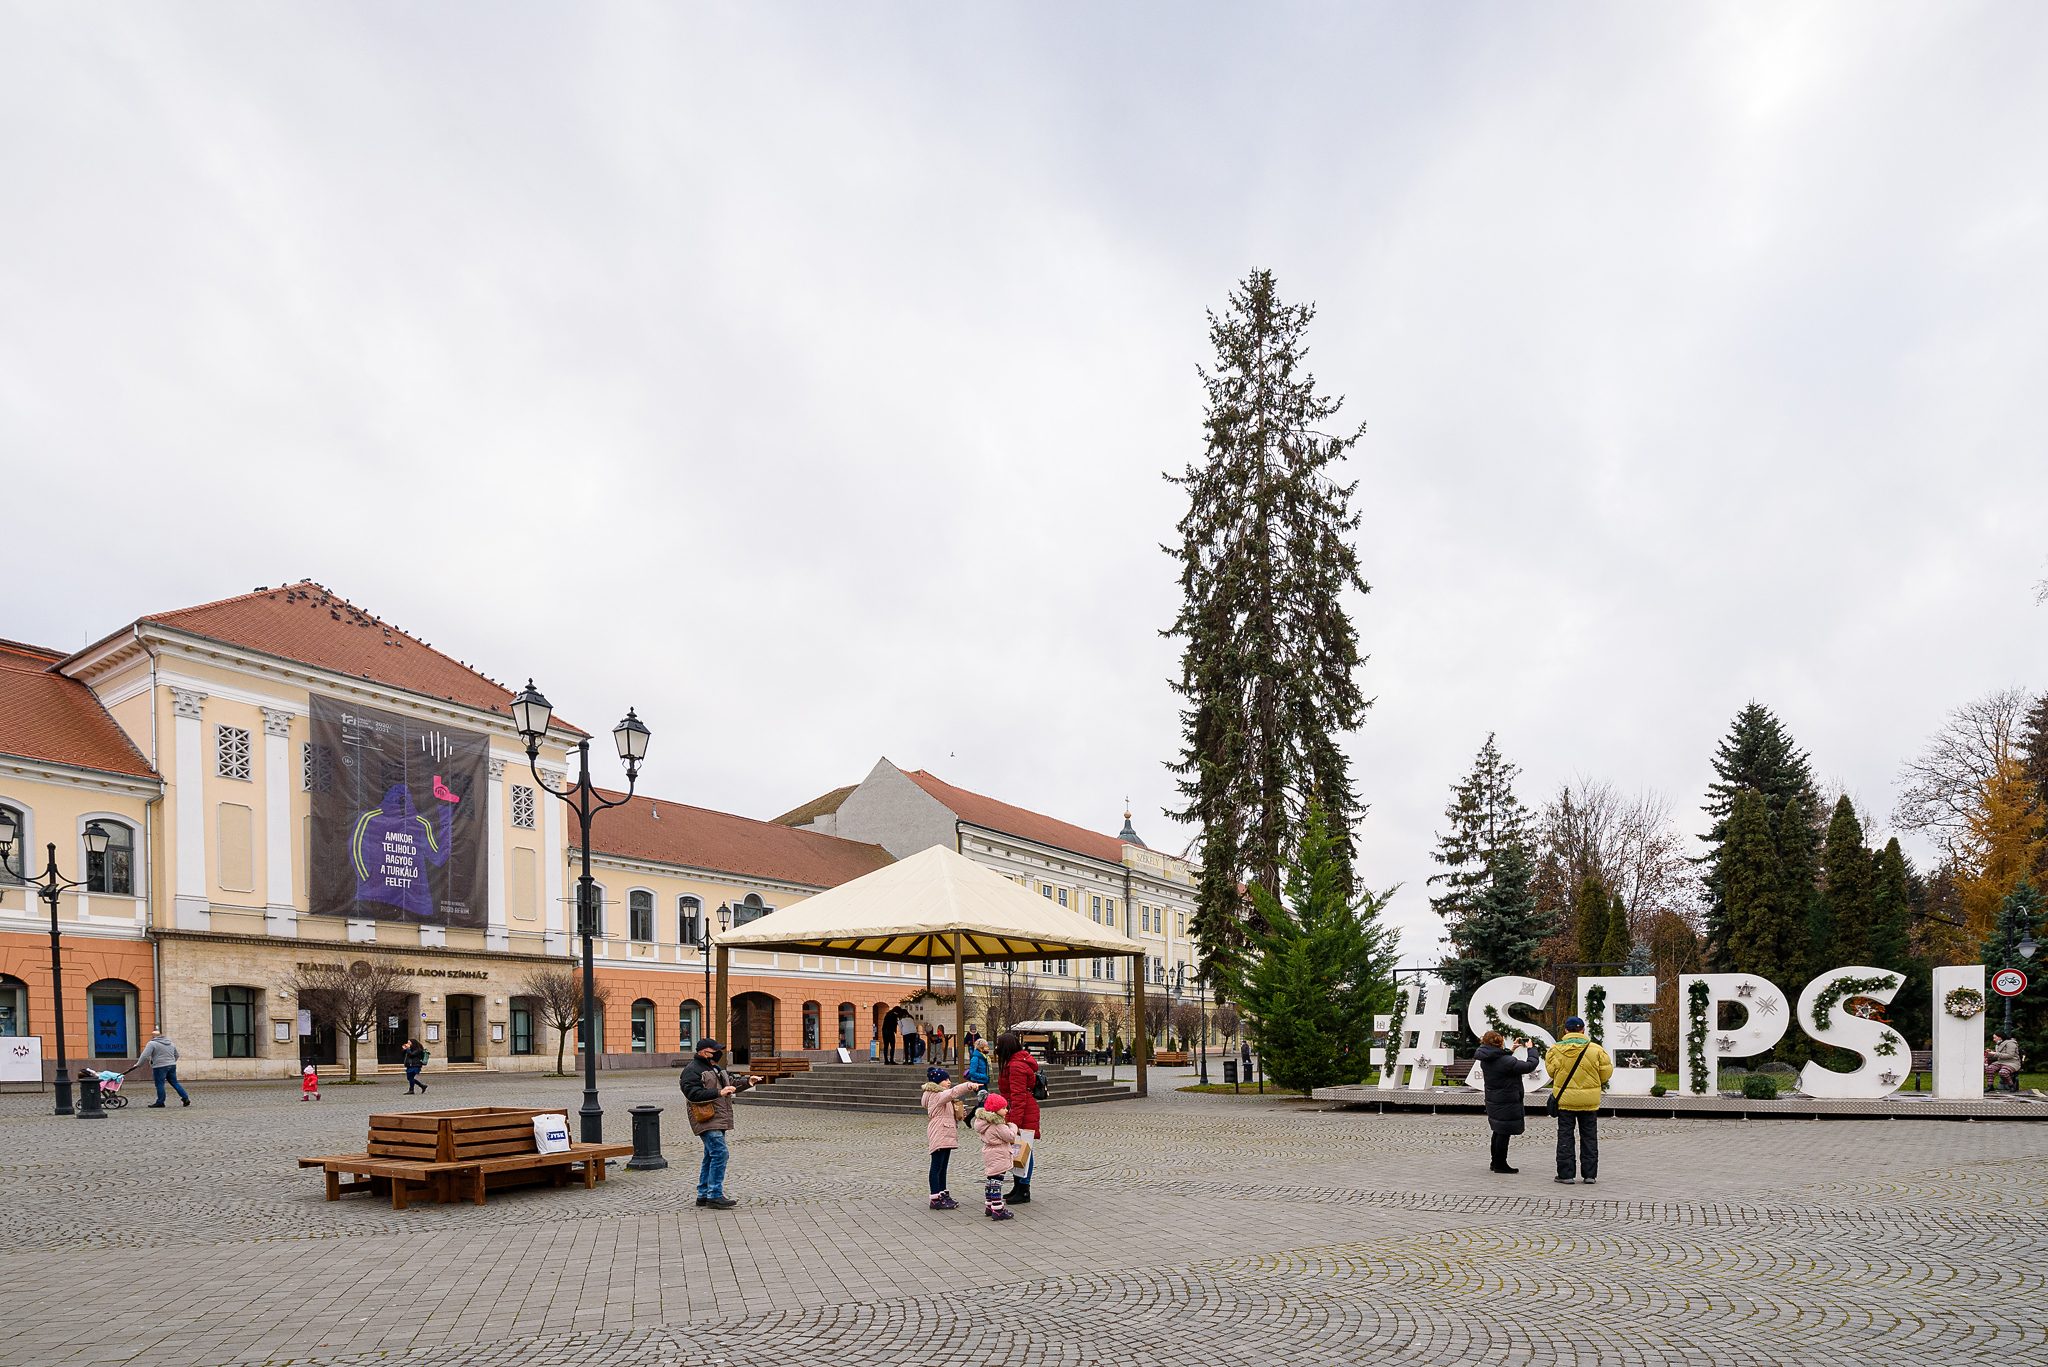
column 898, row 1090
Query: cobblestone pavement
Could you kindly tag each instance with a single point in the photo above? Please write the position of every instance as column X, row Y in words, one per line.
column 1204, row 1229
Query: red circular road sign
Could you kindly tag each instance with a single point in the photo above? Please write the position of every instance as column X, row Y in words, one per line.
column 2008, row 982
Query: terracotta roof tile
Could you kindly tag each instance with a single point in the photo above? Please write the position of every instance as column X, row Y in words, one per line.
column 1001, row 816
column 816, row 807
column 704, row 839
column 45, row 716
column 305, row 623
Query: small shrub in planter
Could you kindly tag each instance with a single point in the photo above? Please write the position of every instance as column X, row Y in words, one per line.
column 1658, row 1089
column 1760, row 1087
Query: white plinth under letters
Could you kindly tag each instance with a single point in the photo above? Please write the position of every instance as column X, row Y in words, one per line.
column 1502, row 995
column 1623, row 1038
column 1887, row 1060
column 1768, row 1016
column 1959, row 1040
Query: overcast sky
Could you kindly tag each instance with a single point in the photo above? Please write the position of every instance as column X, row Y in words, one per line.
column 803, row 375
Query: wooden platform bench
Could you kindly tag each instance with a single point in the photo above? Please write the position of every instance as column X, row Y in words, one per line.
column 1169, row 1058
column 769, row 1069
column 458, row 1154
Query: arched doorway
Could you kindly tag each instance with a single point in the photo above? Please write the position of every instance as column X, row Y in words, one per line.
column 753, row 1027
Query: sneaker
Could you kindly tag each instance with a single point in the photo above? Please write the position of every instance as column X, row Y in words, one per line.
column 998, row 1213
column 1568, row 1181
column 944, row 1202
column 1589, row 1181
column 154, row 1106
column 718, row 1202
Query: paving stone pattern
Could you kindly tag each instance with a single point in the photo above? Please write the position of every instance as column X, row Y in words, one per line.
column 1183, row 1229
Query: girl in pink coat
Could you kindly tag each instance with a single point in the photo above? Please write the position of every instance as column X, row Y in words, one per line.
column 943, row 1130
column 998, row 1138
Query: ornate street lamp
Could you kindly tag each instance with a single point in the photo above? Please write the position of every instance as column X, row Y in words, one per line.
column 704, row 944
column 50, row 886
column 530, row 713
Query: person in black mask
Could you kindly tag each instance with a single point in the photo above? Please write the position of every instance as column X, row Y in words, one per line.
column 709, row 1089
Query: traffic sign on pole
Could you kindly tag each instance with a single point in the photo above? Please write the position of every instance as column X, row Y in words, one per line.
column 2008, row 982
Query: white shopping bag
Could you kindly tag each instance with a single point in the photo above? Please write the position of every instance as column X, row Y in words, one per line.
column 551, row 1133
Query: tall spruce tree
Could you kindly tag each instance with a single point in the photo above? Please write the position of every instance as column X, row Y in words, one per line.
column 1798, row 895
column 1614, row 946
column 1503, row 931
column 1890, row 913
column 1592, row 919
column 1270, row 656
column 1750, row 881
column 1760, row 755
column 1844, row 929
column 1486, row 819
column 1317, row 968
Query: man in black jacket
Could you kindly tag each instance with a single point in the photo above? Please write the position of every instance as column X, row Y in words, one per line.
column 709, row 1090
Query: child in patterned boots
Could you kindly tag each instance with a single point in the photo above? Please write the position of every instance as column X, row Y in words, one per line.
column 943, row 1130
column 998, row 1152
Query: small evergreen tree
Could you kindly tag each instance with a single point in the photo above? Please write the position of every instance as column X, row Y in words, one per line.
column 1314, row 977
column 1757, row 754
column 1845, row 902
column 1614, row 948
column 1890, row 929
column 1503, row 933
column 1592, row 919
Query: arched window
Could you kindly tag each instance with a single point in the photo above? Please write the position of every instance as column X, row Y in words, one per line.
column 849, row 1024
column 111, row 1004
column 812, row 1025
column 15, row 860
column 114, row 871
column 643, row 1015
column 13, row 1006
column 234, row 1022
column 640, row 904
column 690, row 1024
column 689, row 921
column 749, row 908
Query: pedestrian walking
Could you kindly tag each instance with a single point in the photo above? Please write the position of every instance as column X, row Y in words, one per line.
column 1504, row 1068
column 942, row 1130
column 414, row 1058
column 1581, row 1069
column 999, row 1141
column 1017, row 1078
column 309, row 1084
column 890, row 1035
column 160, row 1056
column 709, row 1090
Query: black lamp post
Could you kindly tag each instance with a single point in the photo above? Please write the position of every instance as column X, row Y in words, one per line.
column 2016, row 919
column 704, row 944
column 530, row 713
column 50, row 886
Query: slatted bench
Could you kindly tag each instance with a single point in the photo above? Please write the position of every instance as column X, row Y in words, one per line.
column 769, row 1069
column 1169, row 1058
column 458, row 1154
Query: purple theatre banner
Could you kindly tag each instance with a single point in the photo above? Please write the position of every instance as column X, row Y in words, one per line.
column 398, row 818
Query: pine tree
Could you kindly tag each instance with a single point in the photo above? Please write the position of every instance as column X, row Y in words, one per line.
column 1845, row 900
column 1486, row 818
column 2034, row 749
column 1502, row 933
column 1592, row 919
column 1270, row 659
column 1317, row 969
column 1750, row 881
column 1890, row 928
column 1757, row 754
column 1798, row 896
column 1615, row 946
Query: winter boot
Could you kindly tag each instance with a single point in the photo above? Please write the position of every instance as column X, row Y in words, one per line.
column 1020, row 1193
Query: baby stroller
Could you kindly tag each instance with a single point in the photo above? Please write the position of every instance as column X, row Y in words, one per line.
column 110, row 1090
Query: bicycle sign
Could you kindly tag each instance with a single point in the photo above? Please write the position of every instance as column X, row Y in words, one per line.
column 2008, row 982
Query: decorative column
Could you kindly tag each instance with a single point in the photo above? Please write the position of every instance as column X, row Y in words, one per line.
column 1958, row 1062
column 495, row 934
column 191, row 909
column 553, row 852
column 281, row 915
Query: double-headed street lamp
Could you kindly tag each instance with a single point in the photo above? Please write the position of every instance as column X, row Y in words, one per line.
column 2017, row 923
column 704, row 947
column 530, row 713
column 50, row 886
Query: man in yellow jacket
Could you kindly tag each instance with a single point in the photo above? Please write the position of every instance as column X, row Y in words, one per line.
column 1579, row 1069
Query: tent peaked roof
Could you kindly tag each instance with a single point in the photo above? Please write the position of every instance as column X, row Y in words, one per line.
column 911, row 910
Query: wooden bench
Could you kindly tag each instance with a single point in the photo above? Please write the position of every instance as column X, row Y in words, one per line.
column 1169, row 1058
column 458, row 1154
column 769, row 1069
column 1923, row 1062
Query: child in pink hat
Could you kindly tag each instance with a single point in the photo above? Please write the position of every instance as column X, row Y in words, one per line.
column 998, row 1152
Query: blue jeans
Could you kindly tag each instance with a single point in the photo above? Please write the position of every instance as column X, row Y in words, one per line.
column 170, row 1075
column 412, row 1080
column 711, row 1177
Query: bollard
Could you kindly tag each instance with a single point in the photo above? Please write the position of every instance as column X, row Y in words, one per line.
column 89, row 1099
column 646, row 1139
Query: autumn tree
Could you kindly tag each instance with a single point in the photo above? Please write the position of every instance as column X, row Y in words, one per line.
column 2004, row 841
column 1270, row 654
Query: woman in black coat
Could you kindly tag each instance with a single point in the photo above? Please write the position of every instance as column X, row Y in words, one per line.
column 1503, row 1073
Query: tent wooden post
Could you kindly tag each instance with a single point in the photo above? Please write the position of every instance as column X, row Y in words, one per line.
column 721, row 1003
column 959, row 1011
column 1141, row 1042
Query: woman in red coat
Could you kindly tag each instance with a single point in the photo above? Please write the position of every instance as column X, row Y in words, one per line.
column 1017, row 1071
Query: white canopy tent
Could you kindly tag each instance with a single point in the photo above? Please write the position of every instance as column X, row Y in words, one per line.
column 937, row 906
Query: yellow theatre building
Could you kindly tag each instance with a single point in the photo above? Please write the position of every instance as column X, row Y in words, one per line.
column 287, row 779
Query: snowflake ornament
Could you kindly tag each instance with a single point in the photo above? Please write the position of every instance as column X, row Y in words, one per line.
column 1528, row 989
column 1765, row 1006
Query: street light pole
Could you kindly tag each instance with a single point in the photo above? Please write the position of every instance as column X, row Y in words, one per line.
column 2014, row 917
column 704, row 947
column 530, row 713
column 1202, row 1004
column 50, row 886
